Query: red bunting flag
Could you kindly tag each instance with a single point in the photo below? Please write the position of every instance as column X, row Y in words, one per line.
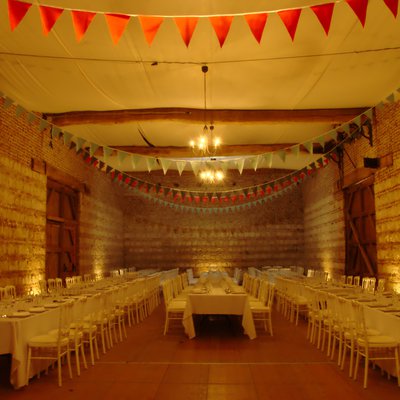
column 290, row 18
column 256, row 24
column 186, row 26
column 393, row 6
column 117, row 24
column 324, row 14
column 81, row 21
column 49, row 16
column 360, row 9
column 221, row 27
column 150, row 26
column 16, row 12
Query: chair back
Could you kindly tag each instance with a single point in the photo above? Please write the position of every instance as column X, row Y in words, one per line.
column 356, row 281
column 349, row 280
column 10, row 292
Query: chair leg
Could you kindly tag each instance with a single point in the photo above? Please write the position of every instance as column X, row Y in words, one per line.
column 28, row 365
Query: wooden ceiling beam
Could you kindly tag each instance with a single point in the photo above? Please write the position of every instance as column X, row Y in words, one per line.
column 192, row 115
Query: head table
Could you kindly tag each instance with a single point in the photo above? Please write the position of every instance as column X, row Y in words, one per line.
column 218, row 301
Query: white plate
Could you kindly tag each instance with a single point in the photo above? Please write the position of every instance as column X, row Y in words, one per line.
column 20, row 314
column 51, row 305
column 37, row 309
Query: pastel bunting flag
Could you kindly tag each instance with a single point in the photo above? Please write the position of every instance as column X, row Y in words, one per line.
column 268, row 159
column 81, row 21
column 43, row 124
column 16, row 12
column 121, row 157
column 240, row 165
column 116, row 25
column 324, row 14
column 181, row 166
column 165, row 163
column 67, row 137
column 282, row 155
column 195, row 167
column 290, row 19
column 309, row 147
column 78, row 143
column 19, row 110
column 360, row 9
column 150, row 26
column 256, row 24
column 93, row 149
column 107, row 151
column 221, row 25
column 55, row 132
column 186, row 26
column 49, row 16
column 295, row 150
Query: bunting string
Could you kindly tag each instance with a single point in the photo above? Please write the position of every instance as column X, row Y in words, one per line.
column 252, row 195
column 221, row 23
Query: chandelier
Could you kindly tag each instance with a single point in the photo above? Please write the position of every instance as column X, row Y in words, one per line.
column 207, row 144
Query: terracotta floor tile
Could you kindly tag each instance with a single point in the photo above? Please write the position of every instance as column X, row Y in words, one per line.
column 186, row 373
column 173, row 391
column 220, row 363
column 229, row 374
column 129, row 391
column 231, row 392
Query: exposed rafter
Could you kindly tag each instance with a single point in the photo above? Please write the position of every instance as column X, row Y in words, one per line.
column 193, row 115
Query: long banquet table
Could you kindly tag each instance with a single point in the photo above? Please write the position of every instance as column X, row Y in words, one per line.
column 218, row 301
column 15, row 332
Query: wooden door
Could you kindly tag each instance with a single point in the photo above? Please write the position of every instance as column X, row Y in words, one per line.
column 361, row 258
column 61, row 231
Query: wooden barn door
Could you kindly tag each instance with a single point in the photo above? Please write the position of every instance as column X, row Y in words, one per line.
column 61, row 231
column 359, row 211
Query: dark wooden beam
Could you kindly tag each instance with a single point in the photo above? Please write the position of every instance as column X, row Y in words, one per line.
column 192, row 115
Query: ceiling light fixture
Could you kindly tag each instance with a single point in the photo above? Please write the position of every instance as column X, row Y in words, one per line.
column 207, row 144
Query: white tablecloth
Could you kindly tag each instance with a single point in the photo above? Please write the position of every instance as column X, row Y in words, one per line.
column 216, row 301
column 16, row 332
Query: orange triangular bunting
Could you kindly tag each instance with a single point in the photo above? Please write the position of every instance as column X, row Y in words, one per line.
column 81, row 21
column 16, row 12
column 117, row 24
column 150, row 27
column 186, row 26
column 360, row 9
column 393, row 6
column 290, row 18
column 221, row 25
column 324, row 14
column 256, row 24
column 49, row 16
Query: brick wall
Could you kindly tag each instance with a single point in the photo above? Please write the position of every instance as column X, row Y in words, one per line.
column 323, row 203
column 23, row 205
column 268, row 234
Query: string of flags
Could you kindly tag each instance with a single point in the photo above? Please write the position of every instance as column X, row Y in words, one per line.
column 186, row 25
column 216, row 201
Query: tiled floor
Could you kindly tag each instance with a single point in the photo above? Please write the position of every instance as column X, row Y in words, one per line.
column 220, row 363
